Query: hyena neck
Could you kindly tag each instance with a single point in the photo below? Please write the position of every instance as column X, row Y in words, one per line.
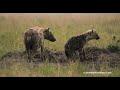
column 86, row 37
column 82, row 37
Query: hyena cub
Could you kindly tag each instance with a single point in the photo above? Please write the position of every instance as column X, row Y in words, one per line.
column 34, row 39
column 78, row 42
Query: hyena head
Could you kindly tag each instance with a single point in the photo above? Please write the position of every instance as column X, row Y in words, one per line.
column 48, row 35
column 92, row 34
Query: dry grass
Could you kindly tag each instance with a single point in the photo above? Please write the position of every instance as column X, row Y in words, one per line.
column 63, row 26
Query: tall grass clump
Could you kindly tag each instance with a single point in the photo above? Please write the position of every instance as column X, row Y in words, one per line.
column 114, row 46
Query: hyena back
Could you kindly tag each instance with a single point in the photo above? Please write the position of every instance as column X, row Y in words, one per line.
column 78, row 42
column 34, row 39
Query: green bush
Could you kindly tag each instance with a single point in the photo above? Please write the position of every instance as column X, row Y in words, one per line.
column 114, row 46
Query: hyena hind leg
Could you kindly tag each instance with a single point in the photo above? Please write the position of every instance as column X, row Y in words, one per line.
column 30, row 56
column 69, row 55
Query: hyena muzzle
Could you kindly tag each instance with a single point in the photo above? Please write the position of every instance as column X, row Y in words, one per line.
column 77, row 43
column 34, row 39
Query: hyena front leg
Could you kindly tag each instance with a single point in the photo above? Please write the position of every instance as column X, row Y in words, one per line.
column 80, row 55
column 83, row 53
column 42, row 50
column 42, row 53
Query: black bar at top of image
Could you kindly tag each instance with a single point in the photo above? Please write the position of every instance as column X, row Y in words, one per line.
column 60, row 6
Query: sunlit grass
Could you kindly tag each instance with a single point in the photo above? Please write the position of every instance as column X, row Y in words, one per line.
column 63, row 26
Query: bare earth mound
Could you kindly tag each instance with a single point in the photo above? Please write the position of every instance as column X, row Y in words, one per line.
column 94, row 55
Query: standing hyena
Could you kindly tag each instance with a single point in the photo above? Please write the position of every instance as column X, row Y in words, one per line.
column 34, row 39
column 78, row 42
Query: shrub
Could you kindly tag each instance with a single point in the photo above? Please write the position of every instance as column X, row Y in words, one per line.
column 114, row 46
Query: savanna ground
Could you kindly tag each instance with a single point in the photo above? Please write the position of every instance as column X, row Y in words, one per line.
column 13, row 60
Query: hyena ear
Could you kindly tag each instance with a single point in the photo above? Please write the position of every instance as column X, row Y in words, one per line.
column 92, row 30
column 48, row 28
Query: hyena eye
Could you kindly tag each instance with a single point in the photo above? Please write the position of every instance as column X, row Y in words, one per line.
column 96, row 35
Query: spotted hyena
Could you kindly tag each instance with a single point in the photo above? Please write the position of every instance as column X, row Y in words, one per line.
column 34, row 39
column 78, row 42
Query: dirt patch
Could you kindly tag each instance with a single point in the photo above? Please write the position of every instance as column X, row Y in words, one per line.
column 93, row 54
